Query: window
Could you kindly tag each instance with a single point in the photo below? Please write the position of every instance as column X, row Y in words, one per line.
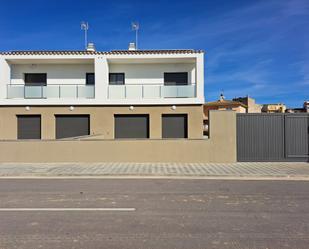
column 72, row 126
column 174, row 79
column 35, row 79
column 116, row 78
column 28, row 127
column 131, row 126
column 90, row 79
column 174, row 126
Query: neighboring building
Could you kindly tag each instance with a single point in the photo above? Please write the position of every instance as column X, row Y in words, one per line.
column 222, row 104
column 252, row 107
column 295, row 110
column 306, row 106
column 274, row 108
column 299, row 110
column 117, row 94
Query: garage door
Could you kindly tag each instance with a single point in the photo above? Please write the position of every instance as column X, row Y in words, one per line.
column 272, row 137
column 72, row 126
column 131, row 126
column 174, row 126
column 29, row 127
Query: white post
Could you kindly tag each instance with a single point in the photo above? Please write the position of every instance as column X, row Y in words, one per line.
column 200, row 77
column 86, row 38
column 136, row 37
column 5, row 77
column 101, row 78
column 84, row 26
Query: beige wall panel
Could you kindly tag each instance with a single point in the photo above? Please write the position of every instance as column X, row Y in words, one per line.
column 221, row 147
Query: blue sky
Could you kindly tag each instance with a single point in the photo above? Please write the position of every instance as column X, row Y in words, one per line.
column 255, row 48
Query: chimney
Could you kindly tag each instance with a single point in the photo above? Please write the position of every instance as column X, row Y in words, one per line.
column 91, row 47
column 132, row 46
column 221, row 97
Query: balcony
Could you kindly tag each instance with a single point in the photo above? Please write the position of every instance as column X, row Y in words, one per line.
column 50, row 91
column 150, row 91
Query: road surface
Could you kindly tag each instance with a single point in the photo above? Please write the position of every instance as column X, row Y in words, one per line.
column 145, row 213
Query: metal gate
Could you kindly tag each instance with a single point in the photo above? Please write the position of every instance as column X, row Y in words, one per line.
column 272, row 137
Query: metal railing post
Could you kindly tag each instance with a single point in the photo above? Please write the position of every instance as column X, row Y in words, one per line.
column 142, row 91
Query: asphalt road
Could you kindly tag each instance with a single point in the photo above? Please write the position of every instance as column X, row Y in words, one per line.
column 187, row 214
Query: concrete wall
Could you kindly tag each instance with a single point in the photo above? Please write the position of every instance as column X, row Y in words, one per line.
column 56, row 73
column 151, row 73
column 221, row 147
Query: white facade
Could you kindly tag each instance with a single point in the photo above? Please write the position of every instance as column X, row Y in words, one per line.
column 66, row 77
column 56, row 73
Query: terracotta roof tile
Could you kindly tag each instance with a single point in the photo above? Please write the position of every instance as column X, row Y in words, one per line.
column 224, row 103
column 167, row 51
column 113, row 52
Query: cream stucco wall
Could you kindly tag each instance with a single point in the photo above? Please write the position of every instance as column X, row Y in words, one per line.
column 221, row 147
column 101, row 119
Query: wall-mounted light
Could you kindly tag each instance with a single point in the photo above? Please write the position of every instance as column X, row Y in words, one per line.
column 27, row 108
column 131, row 107
column 174, row 107
column 71, row 108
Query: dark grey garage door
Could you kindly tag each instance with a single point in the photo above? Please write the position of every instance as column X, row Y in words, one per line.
column 72, row 126
column 29, row 127
column 297, row 136
column 272, row 137
column 174, row 126
column 131, row 126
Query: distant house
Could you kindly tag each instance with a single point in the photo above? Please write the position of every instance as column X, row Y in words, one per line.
column 306, row 106
column 299, row 110
column 222, row 105
column 252, row 107
column 274, row 108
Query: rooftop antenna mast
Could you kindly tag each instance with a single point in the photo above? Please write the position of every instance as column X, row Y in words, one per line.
column 84, row 26
column 135, row 27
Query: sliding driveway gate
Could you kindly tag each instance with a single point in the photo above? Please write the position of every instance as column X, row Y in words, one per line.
column 273, row 137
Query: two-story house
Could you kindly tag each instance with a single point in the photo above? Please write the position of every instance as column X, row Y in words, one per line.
column 106, row 95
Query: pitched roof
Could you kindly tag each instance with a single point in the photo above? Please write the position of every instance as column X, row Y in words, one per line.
column 224, row 103
column 113, row 52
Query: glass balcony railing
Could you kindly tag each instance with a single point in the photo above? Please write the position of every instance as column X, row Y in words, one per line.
column 150, row 91
column 147, row 91
column 50, row 91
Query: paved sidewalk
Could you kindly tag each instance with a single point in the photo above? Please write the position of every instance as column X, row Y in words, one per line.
column 259, row 169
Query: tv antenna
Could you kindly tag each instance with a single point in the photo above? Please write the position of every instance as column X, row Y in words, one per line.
column 135, row 27
column 84, row 26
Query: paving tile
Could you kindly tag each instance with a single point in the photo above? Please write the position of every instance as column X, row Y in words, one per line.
column 156, row 169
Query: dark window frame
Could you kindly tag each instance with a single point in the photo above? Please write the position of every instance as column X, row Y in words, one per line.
column 87, row 79
column 27, row 83
column 28, row 115
column 185, row 115
column 116, row 74
column 133, row 115
column 175, row 83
